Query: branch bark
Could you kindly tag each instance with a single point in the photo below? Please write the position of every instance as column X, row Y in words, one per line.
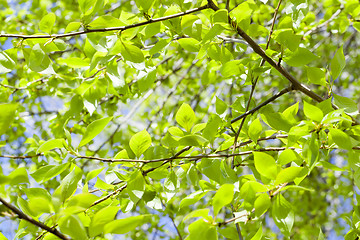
column 121, row 28
column 22, row 215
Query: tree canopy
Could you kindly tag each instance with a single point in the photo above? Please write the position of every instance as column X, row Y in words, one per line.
column 196, row 119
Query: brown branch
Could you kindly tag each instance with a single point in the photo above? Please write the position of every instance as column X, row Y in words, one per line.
column 296, row 84
column 191, row 158
column 25, row 217
column 121, row 28
column 231, row 220
column 108, row 196
column 271, row 99
column 19, row 157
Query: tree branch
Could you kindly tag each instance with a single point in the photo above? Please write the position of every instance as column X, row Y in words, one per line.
column 25, row 217
column 279, row 94
column 122, row 28
column 297, row 85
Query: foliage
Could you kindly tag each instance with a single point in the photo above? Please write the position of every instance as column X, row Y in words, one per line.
column 180, row 119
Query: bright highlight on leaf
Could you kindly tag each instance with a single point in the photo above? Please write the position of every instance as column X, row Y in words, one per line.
column 94, row 129
column 223, row 197
column 265, row 165
column 185, row 117
column 140, row 142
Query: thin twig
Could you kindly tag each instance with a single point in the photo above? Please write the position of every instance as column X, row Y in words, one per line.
column 25, row 217
column 324, row 23
column 271, row 99
column 254, row 84
column 121, row 28
column 297, row 85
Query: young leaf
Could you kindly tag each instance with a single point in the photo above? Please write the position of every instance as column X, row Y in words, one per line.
column 131, row 53
column 340, row 138
column 288, row 174
column 136, row 186
column 47, row 22
column 51, row 144
column 101, row 218
column 7, row 115
column 337, row 63
column 348, row 104
column 223, row 197
column 300, row 57
column 185, row 116
column 313, row 112
column 262, row 204
column 7, row 64
column 69, row 184
column 283, row 214
column 121, row 226
column 93, row 130
column 189, row 44
column 220, row 106
column 265, row 165
column 316, row 75
column 255, row 130
column 140, row 142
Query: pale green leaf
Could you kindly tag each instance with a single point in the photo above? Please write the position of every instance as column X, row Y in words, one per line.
column 93, row 129
column 140, row 142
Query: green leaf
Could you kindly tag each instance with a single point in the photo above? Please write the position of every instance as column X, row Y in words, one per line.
column 122, row 226
column 136, row 186
column 288, row 156
column 340, row 138
column 312, row 112
column 47, row 22
column 300, row 57
column 193, row 198
column 7, row 116
column 231, row 68
column 258, row 235
column 185, row 116
column 288, row 175
column 68, row 185
column 144, row 5
column 262, row 204
column 265, row 165
column 74, row 62
column 189, row 44
column 140, row 142
column 220, row 106
column 283, row 214
column 72, row 26
column 242, row 12
column 72, row 226
column 192, row 140
column 202, row 230
column 223, row 197
column 337, row 63
column 287, row 38
column 131, row 53
column 212, row 127
column 93, row 129
column 101, row 218
column 7, row 64
column 255, row 130
column 106, row 22
column 38, row 61
column 47, row 172
column 51, row 144
column 171, row 183
column 316, row 75
column 348, row 104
